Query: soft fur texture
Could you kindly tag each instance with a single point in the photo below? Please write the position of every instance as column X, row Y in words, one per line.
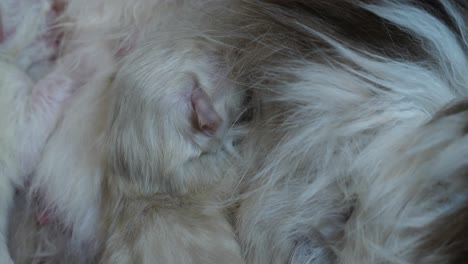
column 28, row 32
column 66, row 184
column 170, row 167
column 28, row 113
column 177, row 81
column 356, row 150
column 353, row 159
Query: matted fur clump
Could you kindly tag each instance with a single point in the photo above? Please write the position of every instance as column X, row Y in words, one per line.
column 337, row 128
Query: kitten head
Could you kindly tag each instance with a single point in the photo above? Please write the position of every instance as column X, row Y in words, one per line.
column 171, row 117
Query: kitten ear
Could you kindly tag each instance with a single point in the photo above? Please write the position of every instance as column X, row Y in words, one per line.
column 207, row 119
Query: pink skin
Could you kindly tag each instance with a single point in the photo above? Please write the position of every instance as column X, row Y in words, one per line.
column 43, row 217
column 208, row 119
column 53, row 36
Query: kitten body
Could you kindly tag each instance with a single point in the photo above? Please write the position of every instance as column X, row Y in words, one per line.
column 80, row 155
column 171, row 161
column 29, row 112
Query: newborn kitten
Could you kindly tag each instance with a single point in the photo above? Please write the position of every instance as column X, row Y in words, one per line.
column 28, row 114
column 169, row 162
column 69, row 176
column 55, row 218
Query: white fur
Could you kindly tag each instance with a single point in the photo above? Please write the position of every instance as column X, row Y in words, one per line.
column 28, row 114
column 27, row 33
column 14, row 88
column 69, row 173
column 358, row 137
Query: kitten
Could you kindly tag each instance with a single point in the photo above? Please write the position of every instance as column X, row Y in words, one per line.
column 54, row 224
column 28, row 114
column 170, row 166
column 68, row 178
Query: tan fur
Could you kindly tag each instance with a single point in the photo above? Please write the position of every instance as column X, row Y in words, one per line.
column 157, row 147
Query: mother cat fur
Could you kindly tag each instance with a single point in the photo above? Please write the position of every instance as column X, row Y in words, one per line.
column 358, row 148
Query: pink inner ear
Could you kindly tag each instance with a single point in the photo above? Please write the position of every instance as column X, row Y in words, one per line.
column 208, row 119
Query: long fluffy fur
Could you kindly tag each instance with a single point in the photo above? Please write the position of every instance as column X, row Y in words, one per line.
column 351, row 162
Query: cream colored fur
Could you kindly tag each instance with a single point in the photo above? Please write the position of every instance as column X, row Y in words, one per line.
column 158, row 147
